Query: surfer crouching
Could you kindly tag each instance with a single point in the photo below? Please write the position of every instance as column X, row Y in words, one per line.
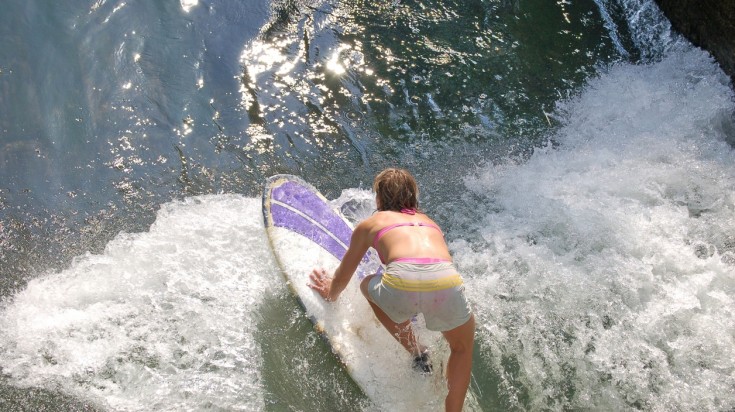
column 419, row 277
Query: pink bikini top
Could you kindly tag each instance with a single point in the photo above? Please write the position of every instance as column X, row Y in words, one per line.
column 382, row 232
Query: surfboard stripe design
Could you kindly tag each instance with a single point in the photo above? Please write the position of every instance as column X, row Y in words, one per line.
column 313, row 219
column 305, row 226
column 333, row 233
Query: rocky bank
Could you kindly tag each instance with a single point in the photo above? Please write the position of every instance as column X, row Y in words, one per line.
column 709, row 24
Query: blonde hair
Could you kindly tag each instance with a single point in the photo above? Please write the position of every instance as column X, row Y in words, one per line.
column 396, row 189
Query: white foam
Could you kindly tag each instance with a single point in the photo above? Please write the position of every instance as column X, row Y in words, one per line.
column 604, row 276
column 162, row 320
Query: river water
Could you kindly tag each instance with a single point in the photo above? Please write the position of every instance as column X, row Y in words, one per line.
column 578, row 154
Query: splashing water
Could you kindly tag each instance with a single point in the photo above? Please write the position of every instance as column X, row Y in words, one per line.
column 610, row 253
column 162, row 320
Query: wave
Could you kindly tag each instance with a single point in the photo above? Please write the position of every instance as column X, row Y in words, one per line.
column 609, row 253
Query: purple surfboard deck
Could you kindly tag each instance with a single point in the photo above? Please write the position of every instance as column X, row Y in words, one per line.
column 291, row 203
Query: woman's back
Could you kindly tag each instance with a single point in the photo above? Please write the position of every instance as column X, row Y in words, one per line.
column 406, row 234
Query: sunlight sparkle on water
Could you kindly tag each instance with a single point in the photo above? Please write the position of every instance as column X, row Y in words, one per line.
column 261, row 56
column 187, row 5
column 334, row 65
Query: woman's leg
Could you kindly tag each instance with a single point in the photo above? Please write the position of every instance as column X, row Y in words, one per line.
column 459, row 368
column 402, row 332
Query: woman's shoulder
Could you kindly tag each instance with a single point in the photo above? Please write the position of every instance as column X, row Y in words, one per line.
column 384, row 218
column 376, row 219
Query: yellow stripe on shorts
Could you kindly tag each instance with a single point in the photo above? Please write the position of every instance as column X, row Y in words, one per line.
column 422, row 285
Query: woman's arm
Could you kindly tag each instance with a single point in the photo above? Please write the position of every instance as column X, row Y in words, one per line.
column 330, row 288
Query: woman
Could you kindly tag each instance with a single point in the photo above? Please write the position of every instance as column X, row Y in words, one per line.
column 419, row 277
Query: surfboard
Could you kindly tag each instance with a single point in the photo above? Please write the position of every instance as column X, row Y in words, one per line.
column 306, row 232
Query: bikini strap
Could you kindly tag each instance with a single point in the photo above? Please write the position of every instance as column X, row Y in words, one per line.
column 382, row 231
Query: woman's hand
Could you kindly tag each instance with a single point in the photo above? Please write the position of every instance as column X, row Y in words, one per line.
column 321, row 282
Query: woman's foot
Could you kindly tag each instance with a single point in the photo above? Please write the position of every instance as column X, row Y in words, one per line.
column 422, row 363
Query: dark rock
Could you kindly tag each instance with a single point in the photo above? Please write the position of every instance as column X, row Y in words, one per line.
column 709, row 24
